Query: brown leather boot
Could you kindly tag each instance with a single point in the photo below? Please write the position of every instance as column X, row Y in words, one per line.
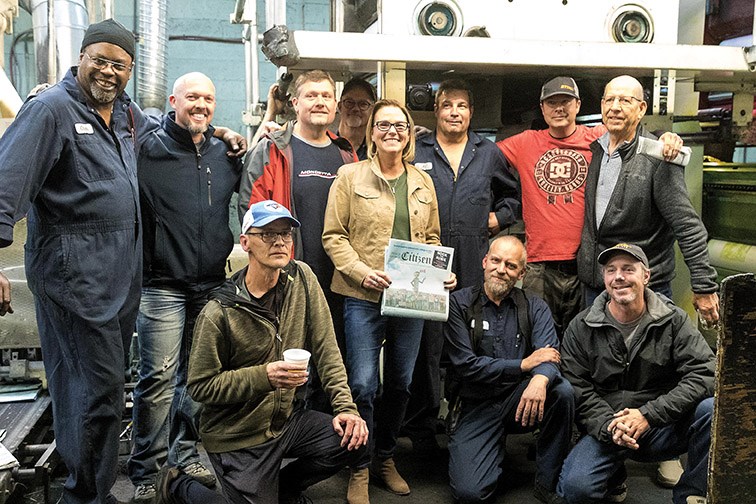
column 386, row 471
column 357, row 491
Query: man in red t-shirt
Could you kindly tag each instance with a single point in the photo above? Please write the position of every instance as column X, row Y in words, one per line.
column 553, row 166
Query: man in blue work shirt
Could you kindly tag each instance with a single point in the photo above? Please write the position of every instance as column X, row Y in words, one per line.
column 69, row 160
column 510, row 383
column 477, row 197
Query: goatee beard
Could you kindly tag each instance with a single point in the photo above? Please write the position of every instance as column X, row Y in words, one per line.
column 101, row 96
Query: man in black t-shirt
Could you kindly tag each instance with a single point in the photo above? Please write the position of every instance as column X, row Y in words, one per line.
column 295, row 167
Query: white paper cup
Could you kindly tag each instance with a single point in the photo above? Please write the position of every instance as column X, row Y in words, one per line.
column 297, row 356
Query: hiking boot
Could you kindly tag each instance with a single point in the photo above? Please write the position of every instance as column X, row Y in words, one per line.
column 144, row 493
column 163, row 485
column 385, row 470
column 547, row 496
column 357, row 491
column 669, row 473
column 199, row 472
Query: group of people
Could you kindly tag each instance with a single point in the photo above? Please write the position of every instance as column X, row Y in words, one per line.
column 128, row 227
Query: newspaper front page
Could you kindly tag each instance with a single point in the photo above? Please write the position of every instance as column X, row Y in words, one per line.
column 417, row 274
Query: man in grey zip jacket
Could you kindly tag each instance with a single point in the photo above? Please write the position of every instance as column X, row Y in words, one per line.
column 643, row 378
column 635, row 198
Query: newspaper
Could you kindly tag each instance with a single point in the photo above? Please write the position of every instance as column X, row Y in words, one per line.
column 417, row 274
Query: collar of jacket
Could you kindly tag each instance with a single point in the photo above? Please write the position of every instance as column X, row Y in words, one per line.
column 430, row 138
column 182, row 135
column 233, row 291
column 628, row 149
column 658, row 309
column 282, row 138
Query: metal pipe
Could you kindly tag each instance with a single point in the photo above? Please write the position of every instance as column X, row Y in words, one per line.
column 52, row 66
column 275, row 13
column 151, row 90
column 66, row 31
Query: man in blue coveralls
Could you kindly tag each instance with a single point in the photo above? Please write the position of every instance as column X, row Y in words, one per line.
column 477, row 197
column 510, row 380
column 69, row 160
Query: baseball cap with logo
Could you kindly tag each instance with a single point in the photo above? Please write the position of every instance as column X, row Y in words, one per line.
column 626, row 248
column 263, row 213
column 560, row 86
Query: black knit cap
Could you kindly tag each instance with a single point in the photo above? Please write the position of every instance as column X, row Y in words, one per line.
column 112, row 32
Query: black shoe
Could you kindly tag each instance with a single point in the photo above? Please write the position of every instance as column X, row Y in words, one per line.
column 617, row 493
column 425, row 446
column 617, row 486
column 163, row 485
column 547, row 496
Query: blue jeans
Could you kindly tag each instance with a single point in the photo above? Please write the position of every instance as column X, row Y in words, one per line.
column 367, row 331
column 591, row 463
column 166, row 419
column 476, row 450
column 590, row 294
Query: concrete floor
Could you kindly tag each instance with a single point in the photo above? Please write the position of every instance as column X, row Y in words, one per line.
column 429, row 482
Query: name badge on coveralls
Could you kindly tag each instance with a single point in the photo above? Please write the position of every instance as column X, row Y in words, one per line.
column 84, row 129
column 424, row 166
column 485, row 324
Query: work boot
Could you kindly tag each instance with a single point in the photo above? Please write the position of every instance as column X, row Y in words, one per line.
column 144, row 493
column 163, row 485
column 669, row 473
column 385, row 470
column 197, row 471
column 357, row 491
column 547, row 496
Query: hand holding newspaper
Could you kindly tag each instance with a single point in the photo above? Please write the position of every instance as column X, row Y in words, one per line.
column 417, row 272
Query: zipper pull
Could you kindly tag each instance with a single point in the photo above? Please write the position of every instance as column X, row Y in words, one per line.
column 209, row 188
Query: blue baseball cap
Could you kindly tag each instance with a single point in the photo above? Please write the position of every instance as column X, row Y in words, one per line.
column 263, row 213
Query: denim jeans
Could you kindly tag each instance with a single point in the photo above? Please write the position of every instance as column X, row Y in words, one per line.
column 166, row 419
column 367, row 331
column 591, row 463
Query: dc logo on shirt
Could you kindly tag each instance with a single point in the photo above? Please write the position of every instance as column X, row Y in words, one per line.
column 560, row 172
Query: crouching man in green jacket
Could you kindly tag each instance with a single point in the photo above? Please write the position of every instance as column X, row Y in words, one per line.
column 251, row 418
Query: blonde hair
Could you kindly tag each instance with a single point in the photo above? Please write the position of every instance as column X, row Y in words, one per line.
column 313, row 76
column 408, row 154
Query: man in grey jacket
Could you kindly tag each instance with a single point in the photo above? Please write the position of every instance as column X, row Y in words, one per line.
column 643, row 378
column 633, row 197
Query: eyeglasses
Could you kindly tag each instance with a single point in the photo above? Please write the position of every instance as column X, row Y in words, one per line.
column 102, row 64
column 272, row 236
column 363, row 105
column 400, row 126
column 624, row 101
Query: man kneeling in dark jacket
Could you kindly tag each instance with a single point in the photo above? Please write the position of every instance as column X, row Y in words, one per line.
column 643, row 377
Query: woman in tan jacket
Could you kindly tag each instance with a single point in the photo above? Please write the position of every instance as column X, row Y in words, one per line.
column 370, row 202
